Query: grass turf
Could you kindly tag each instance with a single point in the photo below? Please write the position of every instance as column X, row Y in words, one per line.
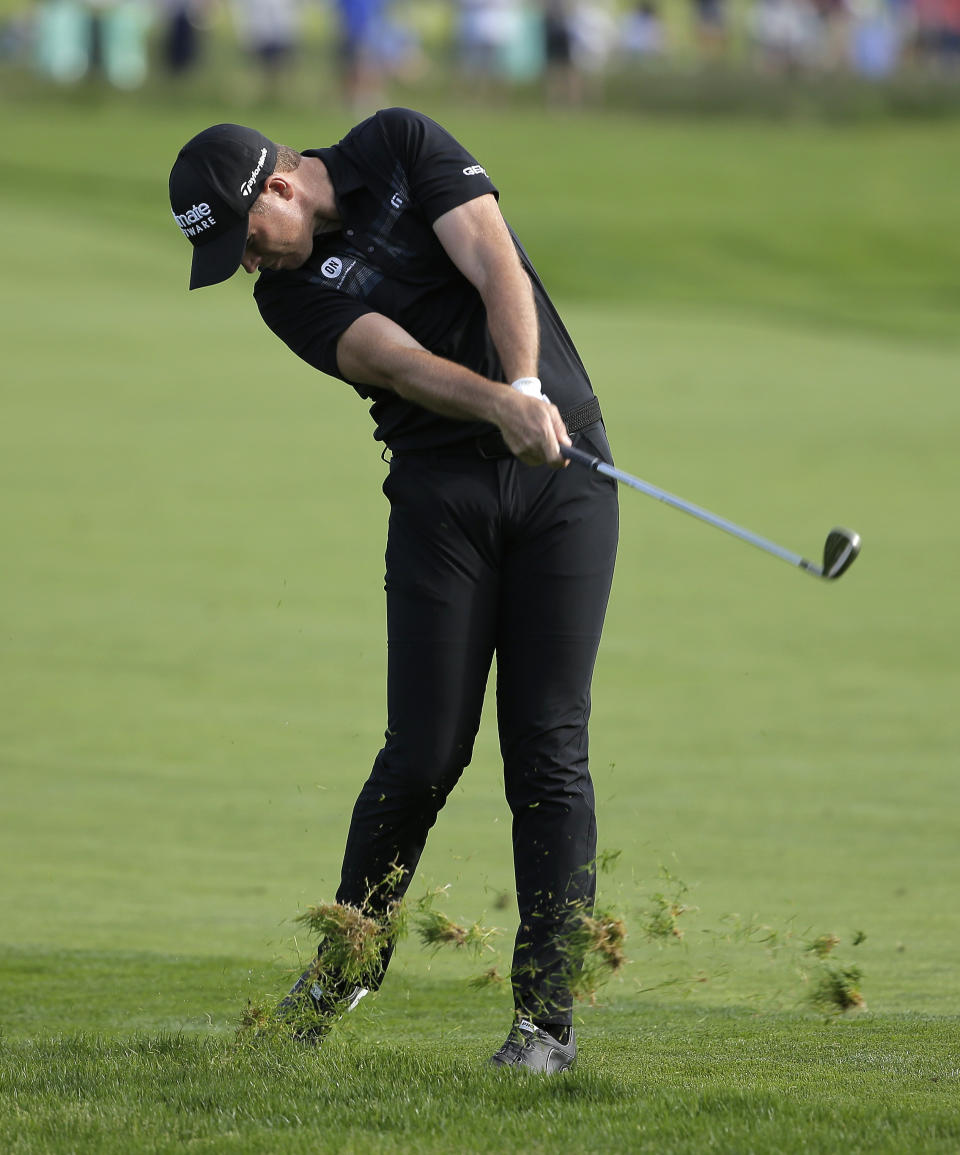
column 659, row 1078
column 193, row 646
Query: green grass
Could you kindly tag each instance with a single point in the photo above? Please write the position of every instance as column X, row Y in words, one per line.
column 407, row 1074
column 682, row 1085
column 192, row 642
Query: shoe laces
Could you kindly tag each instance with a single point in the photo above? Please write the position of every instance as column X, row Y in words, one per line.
column 522, row 1035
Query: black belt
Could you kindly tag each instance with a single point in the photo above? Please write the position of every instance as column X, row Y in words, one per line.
column 491, row 446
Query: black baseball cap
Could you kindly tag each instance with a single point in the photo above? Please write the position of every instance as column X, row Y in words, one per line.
column 216, row 178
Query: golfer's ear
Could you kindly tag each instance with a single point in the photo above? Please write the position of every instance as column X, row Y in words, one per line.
column 279, row 185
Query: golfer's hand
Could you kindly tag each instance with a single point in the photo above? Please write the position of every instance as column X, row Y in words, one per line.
column 533, row 430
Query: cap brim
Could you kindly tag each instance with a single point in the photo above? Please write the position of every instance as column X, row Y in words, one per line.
column 217, row 260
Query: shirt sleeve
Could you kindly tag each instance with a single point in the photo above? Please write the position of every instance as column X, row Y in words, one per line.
column 442, row 174
column 308, row 317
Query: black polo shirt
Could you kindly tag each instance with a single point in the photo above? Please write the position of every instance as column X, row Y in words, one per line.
column 393, row 176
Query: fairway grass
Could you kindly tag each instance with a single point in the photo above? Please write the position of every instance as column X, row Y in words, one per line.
column 192, row 642
column 658, row 1079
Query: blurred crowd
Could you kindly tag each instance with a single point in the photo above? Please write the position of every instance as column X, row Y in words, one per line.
column 568, row 44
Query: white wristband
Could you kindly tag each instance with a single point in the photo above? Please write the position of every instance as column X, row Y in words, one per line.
column 529, row 387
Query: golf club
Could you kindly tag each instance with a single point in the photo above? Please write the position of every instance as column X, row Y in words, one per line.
column 839, row 552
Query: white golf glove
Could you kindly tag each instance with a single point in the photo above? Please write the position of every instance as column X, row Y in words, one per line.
column 530, row 387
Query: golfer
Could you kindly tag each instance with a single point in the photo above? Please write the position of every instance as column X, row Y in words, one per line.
column 384, row 261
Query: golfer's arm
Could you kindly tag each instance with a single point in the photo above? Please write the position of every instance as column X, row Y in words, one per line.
column 477, row 240
column 376, row 351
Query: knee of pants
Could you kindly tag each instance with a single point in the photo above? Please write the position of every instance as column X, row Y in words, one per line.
column 564, row 787
column 422, row 769
column 551, row 753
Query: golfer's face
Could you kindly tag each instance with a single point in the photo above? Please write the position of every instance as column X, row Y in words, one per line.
column 277, row 238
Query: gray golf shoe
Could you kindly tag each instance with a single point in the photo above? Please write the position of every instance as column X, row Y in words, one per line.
column 534, row 1049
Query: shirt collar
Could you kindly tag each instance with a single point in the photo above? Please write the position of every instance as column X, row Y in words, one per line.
column 344, row 175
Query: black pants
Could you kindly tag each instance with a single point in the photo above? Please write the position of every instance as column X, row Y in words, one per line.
column 487, row 556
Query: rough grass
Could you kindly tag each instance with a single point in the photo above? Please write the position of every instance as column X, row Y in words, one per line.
column 670, row 1081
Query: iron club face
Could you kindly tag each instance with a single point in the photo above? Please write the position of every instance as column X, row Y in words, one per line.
column 839, row 552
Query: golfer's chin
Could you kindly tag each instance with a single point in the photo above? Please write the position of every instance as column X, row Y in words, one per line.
column 294, row 260
column 287, row 262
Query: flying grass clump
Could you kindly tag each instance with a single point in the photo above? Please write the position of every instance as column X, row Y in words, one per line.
column 436, row 930
column 836, row 989
column 260, row 1025
column 835, row 985
column 606, row 934
column 352, row 941
column 255, row 1020
column 490, row 978
column 824, row 945
column 350, row 954
column 595, row 950
column 661, row 919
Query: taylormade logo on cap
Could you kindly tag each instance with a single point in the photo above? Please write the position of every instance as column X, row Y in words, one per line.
column 216, row 178
column 247, row 187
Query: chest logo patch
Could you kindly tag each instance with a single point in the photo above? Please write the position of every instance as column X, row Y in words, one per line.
column 331, row 268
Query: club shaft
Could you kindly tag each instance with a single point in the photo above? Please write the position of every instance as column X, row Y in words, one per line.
column 696, row 511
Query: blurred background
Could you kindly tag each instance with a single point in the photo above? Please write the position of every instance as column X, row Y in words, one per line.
column 708, row 55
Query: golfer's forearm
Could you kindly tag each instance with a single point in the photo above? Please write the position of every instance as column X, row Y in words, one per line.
column 532, row 430
column 444, row 387
column 512, row 321
column 376, row 351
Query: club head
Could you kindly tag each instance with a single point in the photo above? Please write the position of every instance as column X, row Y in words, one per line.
column 839, row 552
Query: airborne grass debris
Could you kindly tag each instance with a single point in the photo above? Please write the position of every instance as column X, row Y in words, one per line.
column 353, row 942
column 823, row 945
column 836, row 989
column 595, row 952
column 489, row 978
column 436, row 930
column 661, row 918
